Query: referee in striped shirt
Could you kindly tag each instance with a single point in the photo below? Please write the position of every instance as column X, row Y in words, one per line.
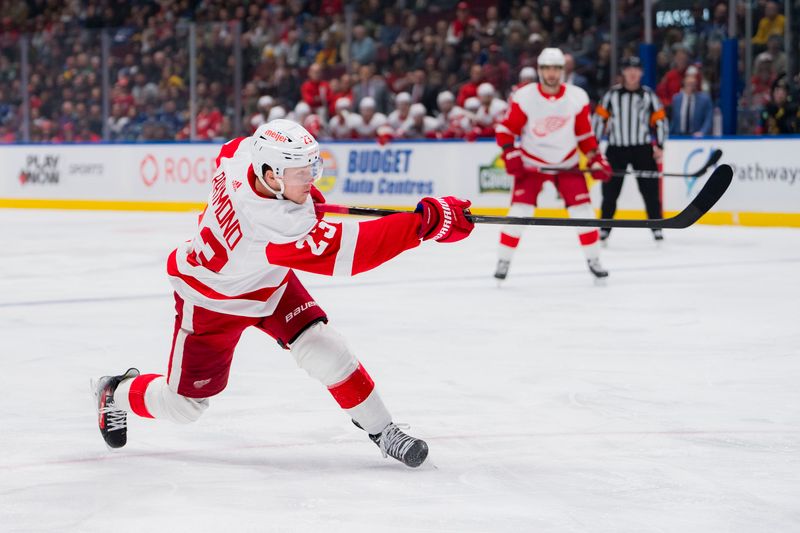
column 634, row 118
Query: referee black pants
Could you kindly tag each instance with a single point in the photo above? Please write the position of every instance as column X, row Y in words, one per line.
column 641, row 158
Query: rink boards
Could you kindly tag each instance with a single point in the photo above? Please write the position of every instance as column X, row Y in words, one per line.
column 176, row 177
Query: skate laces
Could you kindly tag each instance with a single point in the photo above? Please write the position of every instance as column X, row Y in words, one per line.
column 116, row 419
column 394, row 442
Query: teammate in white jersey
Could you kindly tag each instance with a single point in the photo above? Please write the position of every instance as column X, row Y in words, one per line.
column 237, row 271
column 552, row 122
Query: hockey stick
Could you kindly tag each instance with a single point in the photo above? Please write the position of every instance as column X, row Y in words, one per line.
column 712, row 160
column 711, row 192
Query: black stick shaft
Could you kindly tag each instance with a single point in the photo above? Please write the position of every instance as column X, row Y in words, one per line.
column 711, row 192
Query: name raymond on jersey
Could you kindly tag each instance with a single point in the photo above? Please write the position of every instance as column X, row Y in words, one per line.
column 224, row 213
column 385, row 163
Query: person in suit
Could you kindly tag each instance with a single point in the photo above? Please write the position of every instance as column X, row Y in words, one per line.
column 372, row 85
column 692, row 109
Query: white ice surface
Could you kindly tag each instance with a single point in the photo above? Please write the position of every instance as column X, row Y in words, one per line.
column 666, row 401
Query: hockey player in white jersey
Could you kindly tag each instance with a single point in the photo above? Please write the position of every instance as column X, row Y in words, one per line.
column 343, row 124
column 552, row 121
column 368, row 121
column 237, row 272
column 491, row 110
column 400, row 114
column 419, row 124
column 450, row 115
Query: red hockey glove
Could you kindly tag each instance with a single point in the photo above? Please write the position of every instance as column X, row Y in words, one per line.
column 513, row 160
column 444, row 219
column 317, row 198
column 600, row 168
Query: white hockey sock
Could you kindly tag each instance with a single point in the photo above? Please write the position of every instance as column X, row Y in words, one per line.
column 589, row 237
column 510, row 236
column 322, row 352
column 149, row 396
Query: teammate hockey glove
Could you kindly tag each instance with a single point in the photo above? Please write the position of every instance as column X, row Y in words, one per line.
column 600, row 168
column 318, row 198
column 444, row 219
column 513, row 160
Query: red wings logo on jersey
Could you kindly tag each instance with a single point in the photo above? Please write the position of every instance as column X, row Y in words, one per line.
column 548, row 125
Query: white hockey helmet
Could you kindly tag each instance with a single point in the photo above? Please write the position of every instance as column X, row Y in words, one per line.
column 282, row 144
column 445, row 96
column 275, row 113
column 527, row 74
column 486, row 89
column 472, row 103
column 302, row 109
column 403, row 98
column 367, row 102
column 417, row 110
column 343, row 103
column 551, row 57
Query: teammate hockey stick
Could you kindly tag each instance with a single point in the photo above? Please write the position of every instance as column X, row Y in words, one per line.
column 711, row 192
column 712, row 160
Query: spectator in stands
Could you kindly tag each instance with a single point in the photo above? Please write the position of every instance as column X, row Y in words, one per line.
column 717, row 27
column 781, row 116
column 496, row 70
column 672, row 81
column 315, row 91
column 579, row 42
column 421, row 90
column 772, row 23
column 329, row 55
column 372, row 85
column 761, row 82
column 340, row 88
column 775, row 50
column 362, row 48
column 389, row 31
column 572, row 77
column 457, row 28
column 692, row 110
column 470, row 88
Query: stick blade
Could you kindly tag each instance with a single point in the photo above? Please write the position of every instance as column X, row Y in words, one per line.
column 713, row 159
column 712, row 191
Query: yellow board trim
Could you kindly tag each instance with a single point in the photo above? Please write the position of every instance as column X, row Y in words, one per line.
column 723, row 218
column 99, row 205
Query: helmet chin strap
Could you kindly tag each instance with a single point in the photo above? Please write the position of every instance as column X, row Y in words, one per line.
column 278, row 194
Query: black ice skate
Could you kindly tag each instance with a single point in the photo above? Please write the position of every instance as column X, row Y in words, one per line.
column 394, row 443
column 502, row 269
column 113, row 422
column 597, row 269
column 658, row 235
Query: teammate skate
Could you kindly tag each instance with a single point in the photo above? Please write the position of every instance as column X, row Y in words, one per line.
column 552, row 121
column 237, row 271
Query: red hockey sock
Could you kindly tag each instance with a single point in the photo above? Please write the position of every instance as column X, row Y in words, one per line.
column 136, row 394
column 354, row 389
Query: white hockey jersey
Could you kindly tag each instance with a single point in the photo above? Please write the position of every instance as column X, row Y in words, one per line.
column 344, row 127
column 368, row 130
column 245, row 245
column 489, row 115
column 396, row 120
column 551, row 128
